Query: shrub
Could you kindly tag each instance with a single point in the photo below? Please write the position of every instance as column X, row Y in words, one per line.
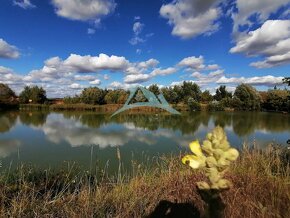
column 216, row 106
column 193, row 105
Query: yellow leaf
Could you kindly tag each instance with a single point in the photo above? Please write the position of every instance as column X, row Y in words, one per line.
column 191, row 160
column 195, row 148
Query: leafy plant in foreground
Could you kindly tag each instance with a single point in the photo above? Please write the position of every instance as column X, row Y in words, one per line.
column 214, row 158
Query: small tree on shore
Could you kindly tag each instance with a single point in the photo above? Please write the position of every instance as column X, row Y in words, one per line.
column 7, row 95
column 222, row 93
column 247, row 97
column 93, row 95
column 33, row 94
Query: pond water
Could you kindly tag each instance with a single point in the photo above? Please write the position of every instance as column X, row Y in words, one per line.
column 45, row 139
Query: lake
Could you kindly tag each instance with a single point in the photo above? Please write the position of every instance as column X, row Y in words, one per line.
column 48, row 139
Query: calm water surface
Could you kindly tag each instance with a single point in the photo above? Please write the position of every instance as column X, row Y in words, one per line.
column 46, row 139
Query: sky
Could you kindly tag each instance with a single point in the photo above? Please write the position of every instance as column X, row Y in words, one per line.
column 68, row 45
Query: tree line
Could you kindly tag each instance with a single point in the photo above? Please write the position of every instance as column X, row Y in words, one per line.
column 245, row 97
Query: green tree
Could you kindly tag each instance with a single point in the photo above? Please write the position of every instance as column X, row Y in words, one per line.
column 93, row 95
column 276, row 100
column 222, row 93
column 206, row 97
column 247, row 97
column 6, row 94
column 118, row 96
column 190, row 90
column 154, row 89
column 33, row 94
column 287, row 80
column 170, row 95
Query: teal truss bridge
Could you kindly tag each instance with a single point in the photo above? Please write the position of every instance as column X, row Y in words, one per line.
column 153, row 101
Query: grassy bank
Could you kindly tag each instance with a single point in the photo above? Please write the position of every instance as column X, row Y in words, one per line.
column 88, row 107
column 261, row 189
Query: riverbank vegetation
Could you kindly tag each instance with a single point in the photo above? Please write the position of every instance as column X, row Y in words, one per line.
column 187, row 96
column 260, row 189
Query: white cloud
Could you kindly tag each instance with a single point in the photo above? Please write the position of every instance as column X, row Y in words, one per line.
column 96, row 82
column 106, row 77
column 192, row 62
column 257, row 80
column 271, row 40
column 136, row 40
column 192, row 18
column 139, row 78
column 212, row 67
column 95, row 63
column 84, row 10
column 5, row 70
column 149, row 63
column 163, row 72
column 84, row 78
column 262, row 9
column 137, row 29
column 119, row 85
column 7, row 50
column 203, row 79
column 138, row 51
column 76, row 86
column 25, row 4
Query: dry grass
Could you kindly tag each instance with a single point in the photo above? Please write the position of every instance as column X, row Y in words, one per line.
column 261, row 189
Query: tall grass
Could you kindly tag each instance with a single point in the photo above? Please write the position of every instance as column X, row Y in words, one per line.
column 260, row 178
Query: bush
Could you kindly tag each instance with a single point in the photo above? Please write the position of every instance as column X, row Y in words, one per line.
column 72, row 100
column 216, row 106
column 227, row 102
column 193, row 105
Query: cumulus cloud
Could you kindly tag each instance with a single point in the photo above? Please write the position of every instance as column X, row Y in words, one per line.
column 76, row 86
column 84, row 10
column 271, row 40
column 163, row 72
column 119, row 85
column 7, row 50
column 196, row 63
column 257, row 80
column 84, row 78
column 192, row 18
column 5, row 70
column 261, row 9
column 95, row 63
column 139, row 78
column 25, row 4
column 96, row 82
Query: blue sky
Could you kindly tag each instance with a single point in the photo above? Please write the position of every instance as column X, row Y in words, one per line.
column 67, row 45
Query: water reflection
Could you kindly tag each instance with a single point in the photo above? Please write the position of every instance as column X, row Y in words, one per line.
column 7, row 121
column 42, row 135
column 35, row 118
column 8, row 147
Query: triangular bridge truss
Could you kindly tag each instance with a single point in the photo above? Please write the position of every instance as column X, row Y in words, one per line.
column 153, row 101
